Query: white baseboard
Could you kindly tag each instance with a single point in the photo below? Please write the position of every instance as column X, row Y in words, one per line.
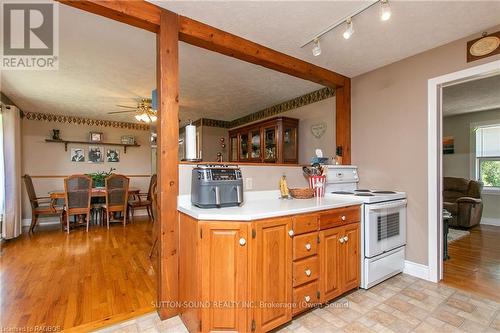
column 490, row 221
column 55, row 220
column 416, row 270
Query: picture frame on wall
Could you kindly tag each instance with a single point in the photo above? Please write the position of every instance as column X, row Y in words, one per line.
column 113, row 155
column 448, row 145
column 77, row 154
column 95, row 137
column 96, row 154
column 128, row 140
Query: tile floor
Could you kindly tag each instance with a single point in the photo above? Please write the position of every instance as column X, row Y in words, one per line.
column 400, row 304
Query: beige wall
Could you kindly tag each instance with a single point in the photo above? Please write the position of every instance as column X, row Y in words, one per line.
column 308, row 115
column 40, row 158
column 459, row 163
column 389, row 130
column 264, row 178
column 210, row 143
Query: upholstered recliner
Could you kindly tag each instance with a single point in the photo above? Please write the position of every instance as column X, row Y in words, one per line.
column 462, row 198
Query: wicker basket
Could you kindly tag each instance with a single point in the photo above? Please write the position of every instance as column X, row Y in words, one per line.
column 301, row 193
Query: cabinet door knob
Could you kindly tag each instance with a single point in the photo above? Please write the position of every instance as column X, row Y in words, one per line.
column 308, row 272
column 346, row 239
column 243, row 241
column 343, row 217
column 307, row 299
column 341, row 240
column 308, row 246
column 291, row 233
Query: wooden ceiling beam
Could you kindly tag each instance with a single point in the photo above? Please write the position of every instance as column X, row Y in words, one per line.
column 213, row 39
column 139, row 14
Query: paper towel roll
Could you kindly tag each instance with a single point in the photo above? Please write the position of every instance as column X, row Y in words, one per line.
column 190, row 142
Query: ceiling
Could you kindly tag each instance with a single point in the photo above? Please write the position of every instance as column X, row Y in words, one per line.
column 99, row 70
column 415, row 26
column 104, row 63
column 472, row 96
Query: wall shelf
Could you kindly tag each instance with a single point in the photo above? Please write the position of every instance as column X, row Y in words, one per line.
column 66, row 142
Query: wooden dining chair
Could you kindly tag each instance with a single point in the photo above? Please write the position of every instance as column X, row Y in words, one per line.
column 40, row 206
column 116, row 198
column 77, row 195
column 143, row 200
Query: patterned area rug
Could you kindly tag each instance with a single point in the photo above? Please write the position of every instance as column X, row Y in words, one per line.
column 454, row 234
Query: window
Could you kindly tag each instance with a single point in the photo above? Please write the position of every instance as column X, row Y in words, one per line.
column 488, row 155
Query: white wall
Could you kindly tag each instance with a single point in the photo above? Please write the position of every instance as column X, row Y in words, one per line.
column 459, row 163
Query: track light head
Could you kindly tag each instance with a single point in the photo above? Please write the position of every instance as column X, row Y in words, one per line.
column 316, row 50
column 349, row 30
column 385, row 10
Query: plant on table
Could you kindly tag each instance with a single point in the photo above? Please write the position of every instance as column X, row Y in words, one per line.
column 99, row 178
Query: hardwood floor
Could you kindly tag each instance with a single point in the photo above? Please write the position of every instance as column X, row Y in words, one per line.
column 474, row 263
column 57, row 280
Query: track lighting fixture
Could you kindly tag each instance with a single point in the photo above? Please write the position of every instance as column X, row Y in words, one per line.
column 316, row 50
column 385, row 14
column 349, row 30
column 385, row 10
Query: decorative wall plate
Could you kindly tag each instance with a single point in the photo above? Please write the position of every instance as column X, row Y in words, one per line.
column 484, row 46
column 318, row 130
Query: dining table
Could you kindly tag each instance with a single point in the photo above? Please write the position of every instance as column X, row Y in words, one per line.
column 97, row 192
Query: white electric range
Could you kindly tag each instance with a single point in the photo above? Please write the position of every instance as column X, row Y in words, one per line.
column 383, row 224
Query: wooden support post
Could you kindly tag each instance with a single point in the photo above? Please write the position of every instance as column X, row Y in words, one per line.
column 168, row 176
column 343, row 120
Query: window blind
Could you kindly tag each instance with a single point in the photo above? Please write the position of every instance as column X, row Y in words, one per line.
column 488, row 141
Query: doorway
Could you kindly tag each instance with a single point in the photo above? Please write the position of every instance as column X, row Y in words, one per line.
column 436, row 185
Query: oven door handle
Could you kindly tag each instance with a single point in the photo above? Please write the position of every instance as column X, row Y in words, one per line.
column 399, row 203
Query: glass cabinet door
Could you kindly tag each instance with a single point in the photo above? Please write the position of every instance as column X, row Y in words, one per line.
column 270, row 153
column 255, row 153
column 233, row 157
column 243, row 137
column 289, row 143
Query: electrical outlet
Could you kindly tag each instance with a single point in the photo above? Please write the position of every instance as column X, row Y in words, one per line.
column 248, row 183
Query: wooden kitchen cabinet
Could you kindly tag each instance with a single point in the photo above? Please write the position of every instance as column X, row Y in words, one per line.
column 255, row 276
column 224, row 276
column 274, row 140
column 272, row 276
column 339, row 260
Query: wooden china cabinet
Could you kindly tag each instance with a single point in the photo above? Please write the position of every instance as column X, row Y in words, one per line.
column 275, row 140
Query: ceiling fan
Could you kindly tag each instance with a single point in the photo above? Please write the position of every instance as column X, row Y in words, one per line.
column 143, row 111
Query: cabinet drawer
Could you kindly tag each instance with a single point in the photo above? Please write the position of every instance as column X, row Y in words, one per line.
column 305, row 297
column 305, row 245
column 339, row 216
column 305, row 270
column 305, row 223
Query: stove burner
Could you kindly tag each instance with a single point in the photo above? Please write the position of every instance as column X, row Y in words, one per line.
column 384, row 192
column 364, row 194
column 342, row 192
column 362, row 190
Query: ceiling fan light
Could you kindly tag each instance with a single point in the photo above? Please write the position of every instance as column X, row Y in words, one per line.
column 349, row 30
column 153, row 118
column 316, row 50
column 385, row 10
column 138, row 117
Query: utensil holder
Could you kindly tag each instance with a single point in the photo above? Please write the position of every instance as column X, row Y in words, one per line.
column 317, row 183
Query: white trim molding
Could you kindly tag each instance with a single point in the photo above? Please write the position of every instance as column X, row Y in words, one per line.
column 490, row 221
column 434, row 158
column 417, row 270
column 55, row 220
